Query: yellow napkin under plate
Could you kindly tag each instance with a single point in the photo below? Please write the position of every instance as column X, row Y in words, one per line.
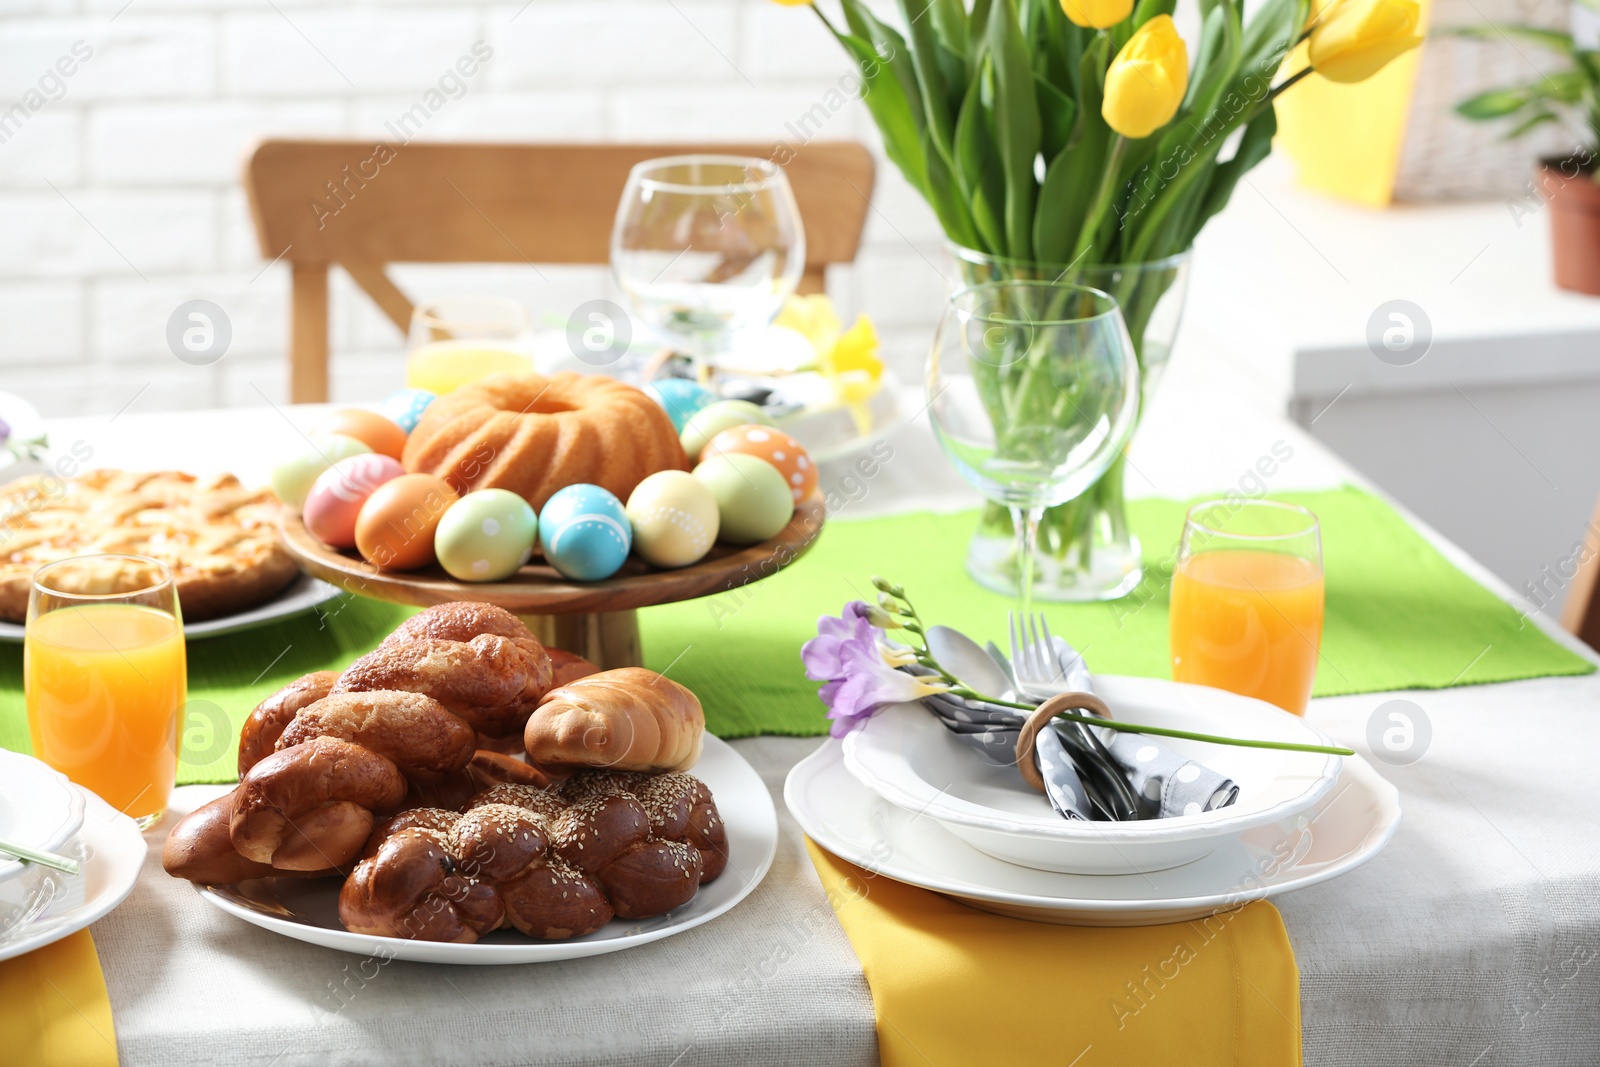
column 952, row 985
column 54, row 1010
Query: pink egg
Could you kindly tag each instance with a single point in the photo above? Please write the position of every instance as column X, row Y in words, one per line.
column 777, row 448
column 338, row 493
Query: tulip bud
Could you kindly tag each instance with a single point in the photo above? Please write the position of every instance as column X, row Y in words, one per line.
column 1146, row 82
column 1354, row 39
column 1096, row 14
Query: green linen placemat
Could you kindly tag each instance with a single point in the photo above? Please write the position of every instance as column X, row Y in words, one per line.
column 1399, row 616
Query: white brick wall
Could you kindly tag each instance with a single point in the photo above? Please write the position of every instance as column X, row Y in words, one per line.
column 119, row 196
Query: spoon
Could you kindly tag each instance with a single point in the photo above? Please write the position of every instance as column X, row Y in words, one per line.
column 962, row 657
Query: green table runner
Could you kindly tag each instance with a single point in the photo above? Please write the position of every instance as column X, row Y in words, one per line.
column 1399, row 616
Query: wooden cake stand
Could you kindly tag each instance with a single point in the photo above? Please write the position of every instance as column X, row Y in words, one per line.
column 597, row 620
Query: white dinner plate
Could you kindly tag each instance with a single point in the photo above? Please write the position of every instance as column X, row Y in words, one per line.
column 111, row 849
column 301, row 595
column 308, row 909
column 1337, row 834
column 905, row 756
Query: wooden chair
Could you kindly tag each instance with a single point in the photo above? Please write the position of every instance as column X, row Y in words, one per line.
column 1580, row 613
column 362, row 205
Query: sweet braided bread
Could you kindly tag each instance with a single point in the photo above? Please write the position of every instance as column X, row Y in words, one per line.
column 442, row 838
column 552, row 865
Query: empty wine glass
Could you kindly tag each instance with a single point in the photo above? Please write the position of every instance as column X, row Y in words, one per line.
column 1033, row 389
column 704, row 245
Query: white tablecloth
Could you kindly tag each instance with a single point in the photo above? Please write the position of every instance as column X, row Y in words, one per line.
column 1473, row 940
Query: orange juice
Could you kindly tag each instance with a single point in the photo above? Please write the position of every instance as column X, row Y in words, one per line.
column 445, row 366
column 105, row 686
column 1249, row 622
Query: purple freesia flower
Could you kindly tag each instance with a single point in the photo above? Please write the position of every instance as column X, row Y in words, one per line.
column 859, row 673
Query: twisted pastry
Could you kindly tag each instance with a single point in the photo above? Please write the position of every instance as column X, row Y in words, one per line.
column 258, row 737
column 312, row 806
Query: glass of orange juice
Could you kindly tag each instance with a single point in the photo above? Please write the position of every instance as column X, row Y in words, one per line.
column 105, row 677
column 1247, row 597
column 458, row 340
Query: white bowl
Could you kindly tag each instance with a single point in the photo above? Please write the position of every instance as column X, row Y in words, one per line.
column 905, row 756
column 40, row 809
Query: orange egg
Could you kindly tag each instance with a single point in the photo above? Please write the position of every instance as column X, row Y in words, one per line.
column 383, row 436
column 774, row 446
column 396, row 525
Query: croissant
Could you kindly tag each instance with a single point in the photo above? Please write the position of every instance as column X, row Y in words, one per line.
column 629, row 719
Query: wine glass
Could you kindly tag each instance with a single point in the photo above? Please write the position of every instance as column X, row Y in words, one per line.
column 104, row 677
column 1033, row 390
column 457, row 340
column 705, row 245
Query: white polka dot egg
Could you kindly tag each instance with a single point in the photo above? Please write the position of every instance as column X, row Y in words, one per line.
column 674, row 517
column 486, row 536
column 775, row 447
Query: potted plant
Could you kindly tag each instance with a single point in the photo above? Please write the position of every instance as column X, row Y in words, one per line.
column 1569, row 184
column 1080, row 140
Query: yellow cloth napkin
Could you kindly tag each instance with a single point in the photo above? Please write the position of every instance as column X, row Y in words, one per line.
column 54, row 1011
column 953, row 985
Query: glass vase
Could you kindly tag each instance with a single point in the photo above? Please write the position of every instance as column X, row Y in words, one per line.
column 1086, row 550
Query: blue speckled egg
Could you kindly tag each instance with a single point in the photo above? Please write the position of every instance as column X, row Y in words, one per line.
column 585, row 531
column 405, row 407
column 681, row 397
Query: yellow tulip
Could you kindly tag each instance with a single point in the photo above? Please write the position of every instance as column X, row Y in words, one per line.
column 1354, row 39
column 1146, row 82
column 1096, row 14
column 792, row 3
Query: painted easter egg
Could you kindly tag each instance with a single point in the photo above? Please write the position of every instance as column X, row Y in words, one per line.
column 777, row 448
column 396, row 525
column 585, row 532
column 753, row 498
column 381, row 435
column 336, row 496
column 712, row 419
column 674, row 518
column 293, row 476
column 486, row 536
column 404, row 407
column 680, row 397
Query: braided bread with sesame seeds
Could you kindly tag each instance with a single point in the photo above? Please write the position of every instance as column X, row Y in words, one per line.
column 553, row 865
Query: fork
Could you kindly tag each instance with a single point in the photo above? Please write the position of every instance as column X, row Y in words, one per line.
column 1040, row 676
column 1033, row 657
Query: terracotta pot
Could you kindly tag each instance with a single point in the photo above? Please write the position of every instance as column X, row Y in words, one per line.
column 1568, row 186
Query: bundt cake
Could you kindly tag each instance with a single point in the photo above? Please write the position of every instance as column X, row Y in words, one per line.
column 533, row 435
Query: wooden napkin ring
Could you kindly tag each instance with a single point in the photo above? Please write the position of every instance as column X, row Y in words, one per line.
column 1043, row 714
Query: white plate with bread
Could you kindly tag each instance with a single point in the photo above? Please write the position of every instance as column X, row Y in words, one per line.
column 308, row 909
column 461, row 794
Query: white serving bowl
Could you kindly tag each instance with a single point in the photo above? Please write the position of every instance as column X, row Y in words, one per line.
column 905, row 756
column 40, row 809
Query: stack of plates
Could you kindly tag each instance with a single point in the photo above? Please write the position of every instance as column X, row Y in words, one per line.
column 39, row 808
column 904, row 799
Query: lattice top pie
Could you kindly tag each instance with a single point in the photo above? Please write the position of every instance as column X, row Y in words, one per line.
column 219, row 538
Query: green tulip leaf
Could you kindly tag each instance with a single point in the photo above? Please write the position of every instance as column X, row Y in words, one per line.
column 1539, row 36
column 1495, row 104
column 881, row 92
column 1017, row 128
column 1057, row 112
